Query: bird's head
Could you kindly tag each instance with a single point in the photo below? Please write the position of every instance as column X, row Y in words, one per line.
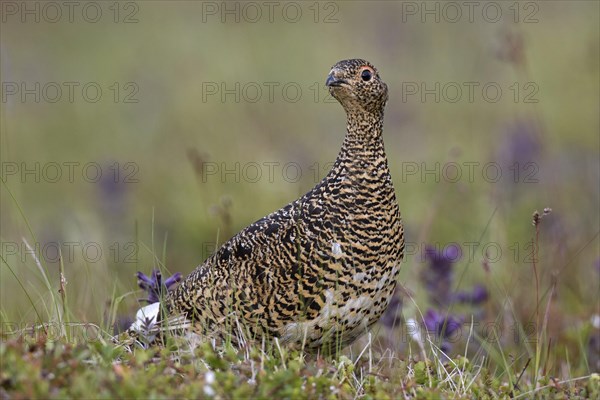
column 357, row 86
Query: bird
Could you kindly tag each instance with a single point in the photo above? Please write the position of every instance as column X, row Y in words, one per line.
column 320, row 271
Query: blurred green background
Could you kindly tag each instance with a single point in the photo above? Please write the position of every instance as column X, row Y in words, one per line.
column 161, row 138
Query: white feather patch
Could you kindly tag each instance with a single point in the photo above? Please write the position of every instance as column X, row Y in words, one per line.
column 146, row 317
column 336, row 249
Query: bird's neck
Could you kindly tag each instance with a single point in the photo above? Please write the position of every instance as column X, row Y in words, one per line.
column 364, row 138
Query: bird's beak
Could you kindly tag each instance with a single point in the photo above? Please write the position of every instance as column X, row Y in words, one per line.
column 332, row 80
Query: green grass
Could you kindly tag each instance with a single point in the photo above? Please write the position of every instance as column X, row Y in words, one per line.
column 57, row 358
column 35, row 367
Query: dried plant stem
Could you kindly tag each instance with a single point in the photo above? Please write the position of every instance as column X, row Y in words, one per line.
column 537, row 219
column 536, row 277
column 63, row 294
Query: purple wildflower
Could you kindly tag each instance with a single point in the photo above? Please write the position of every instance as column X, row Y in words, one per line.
column 154, row 285
column 438, row 279
column 113, row 192
column 478, row 295
column 443, row 328
column 441, row 325
column 442, row 260
column 438, row 275
column 522, row 144
column 392, row 316
column 519, row 152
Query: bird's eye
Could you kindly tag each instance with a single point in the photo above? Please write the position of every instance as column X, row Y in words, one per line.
column 366, row 75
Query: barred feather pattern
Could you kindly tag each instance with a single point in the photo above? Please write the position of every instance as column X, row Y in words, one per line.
column 323, row 268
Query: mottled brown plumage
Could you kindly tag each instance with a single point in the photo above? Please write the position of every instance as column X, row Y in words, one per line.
column 322, row 269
